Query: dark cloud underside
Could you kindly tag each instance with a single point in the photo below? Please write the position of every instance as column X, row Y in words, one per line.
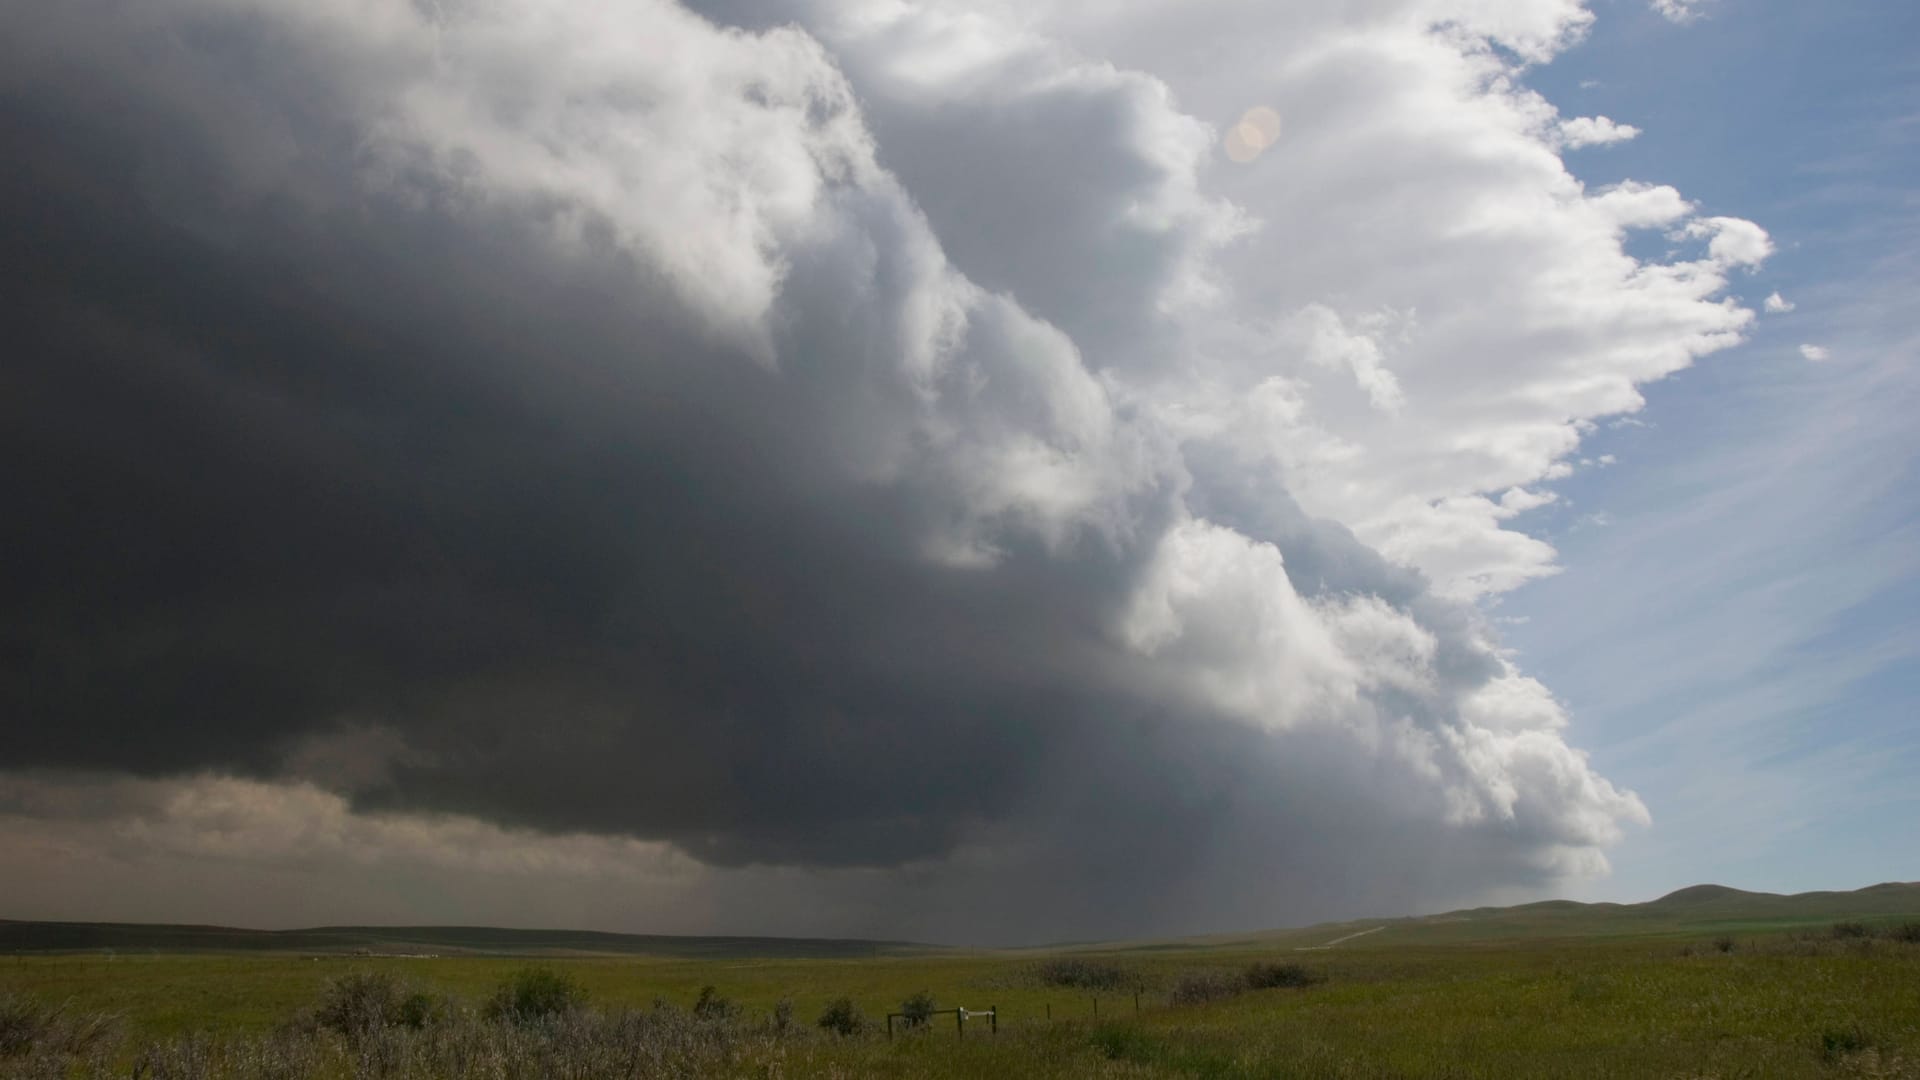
column 328, row 463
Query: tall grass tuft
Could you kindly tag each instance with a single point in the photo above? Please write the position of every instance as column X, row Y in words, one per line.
column 36, row 1030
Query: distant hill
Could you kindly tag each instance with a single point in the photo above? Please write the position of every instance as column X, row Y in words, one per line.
column 1697, row 910
column 24, row 937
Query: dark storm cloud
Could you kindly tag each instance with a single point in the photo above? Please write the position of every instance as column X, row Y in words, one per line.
column 347, row 449
column 361, row 463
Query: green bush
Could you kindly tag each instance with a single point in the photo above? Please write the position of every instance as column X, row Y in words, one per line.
column 711, row 1006
column 1839, row 1042
column 535, row 994
column 916, row 1010
column 1723, row 944
column 842, row 1018
column 361, row 1002
column 1265, row 976
column 1908, row 932
column 1852, row 930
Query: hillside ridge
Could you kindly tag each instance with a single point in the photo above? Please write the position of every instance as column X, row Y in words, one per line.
column 23, row 936
column 1703, row 908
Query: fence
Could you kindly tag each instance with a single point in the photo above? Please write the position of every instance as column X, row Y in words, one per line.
column 990, row 1014
column 960, row 1017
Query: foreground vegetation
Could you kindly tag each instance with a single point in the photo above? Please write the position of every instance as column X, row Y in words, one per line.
column 1840, row 1001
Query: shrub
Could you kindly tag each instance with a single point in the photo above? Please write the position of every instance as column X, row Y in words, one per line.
column 419, row 1008
column 1083, row 974
column 1723, row 944
column 711, row 1006
column 1908, row 932
column 1199, row 987
column 915, row 1011
column 1839, row 1042
column 361, row 1002
column 1851, row 930
column 582, row 1044
column 21, row 1024
column 1264, row 976
column 535, row 994
column 783, row 1015
column 29, row 1026
column 842, row 1018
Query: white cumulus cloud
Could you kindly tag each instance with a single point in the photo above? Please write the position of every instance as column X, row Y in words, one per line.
column 1679, row 11
column 1595, row 131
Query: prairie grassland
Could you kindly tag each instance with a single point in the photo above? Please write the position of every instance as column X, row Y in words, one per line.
column 1815, row 1005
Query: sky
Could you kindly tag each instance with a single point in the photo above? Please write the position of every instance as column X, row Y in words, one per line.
column 983, row 473
column 1757, row 568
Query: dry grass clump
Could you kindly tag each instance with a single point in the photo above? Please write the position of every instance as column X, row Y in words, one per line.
column 1269, row 976
column 663, row 1042
column 1080, row 973
column 1213, row 984
column 39, row 1039
column 1206, row 984
column 372, row 1025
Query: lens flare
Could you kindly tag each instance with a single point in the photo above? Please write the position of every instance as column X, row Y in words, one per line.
column 1257, row 129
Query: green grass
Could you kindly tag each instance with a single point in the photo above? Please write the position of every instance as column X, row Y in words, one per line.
column 1545, row 990
column 1780, row 1006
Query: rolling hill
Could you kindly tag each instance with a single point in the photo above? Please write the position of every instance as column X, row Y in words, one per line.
column 1688, row 911
column 1697, row 910
column 39, row 937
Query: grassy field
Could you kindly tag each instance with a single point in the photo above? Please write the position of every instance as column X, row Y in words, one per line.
column 1737, row 995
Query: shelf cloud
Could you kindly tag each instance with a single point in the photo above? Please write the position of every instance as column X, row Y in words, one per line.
column 983, row 477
